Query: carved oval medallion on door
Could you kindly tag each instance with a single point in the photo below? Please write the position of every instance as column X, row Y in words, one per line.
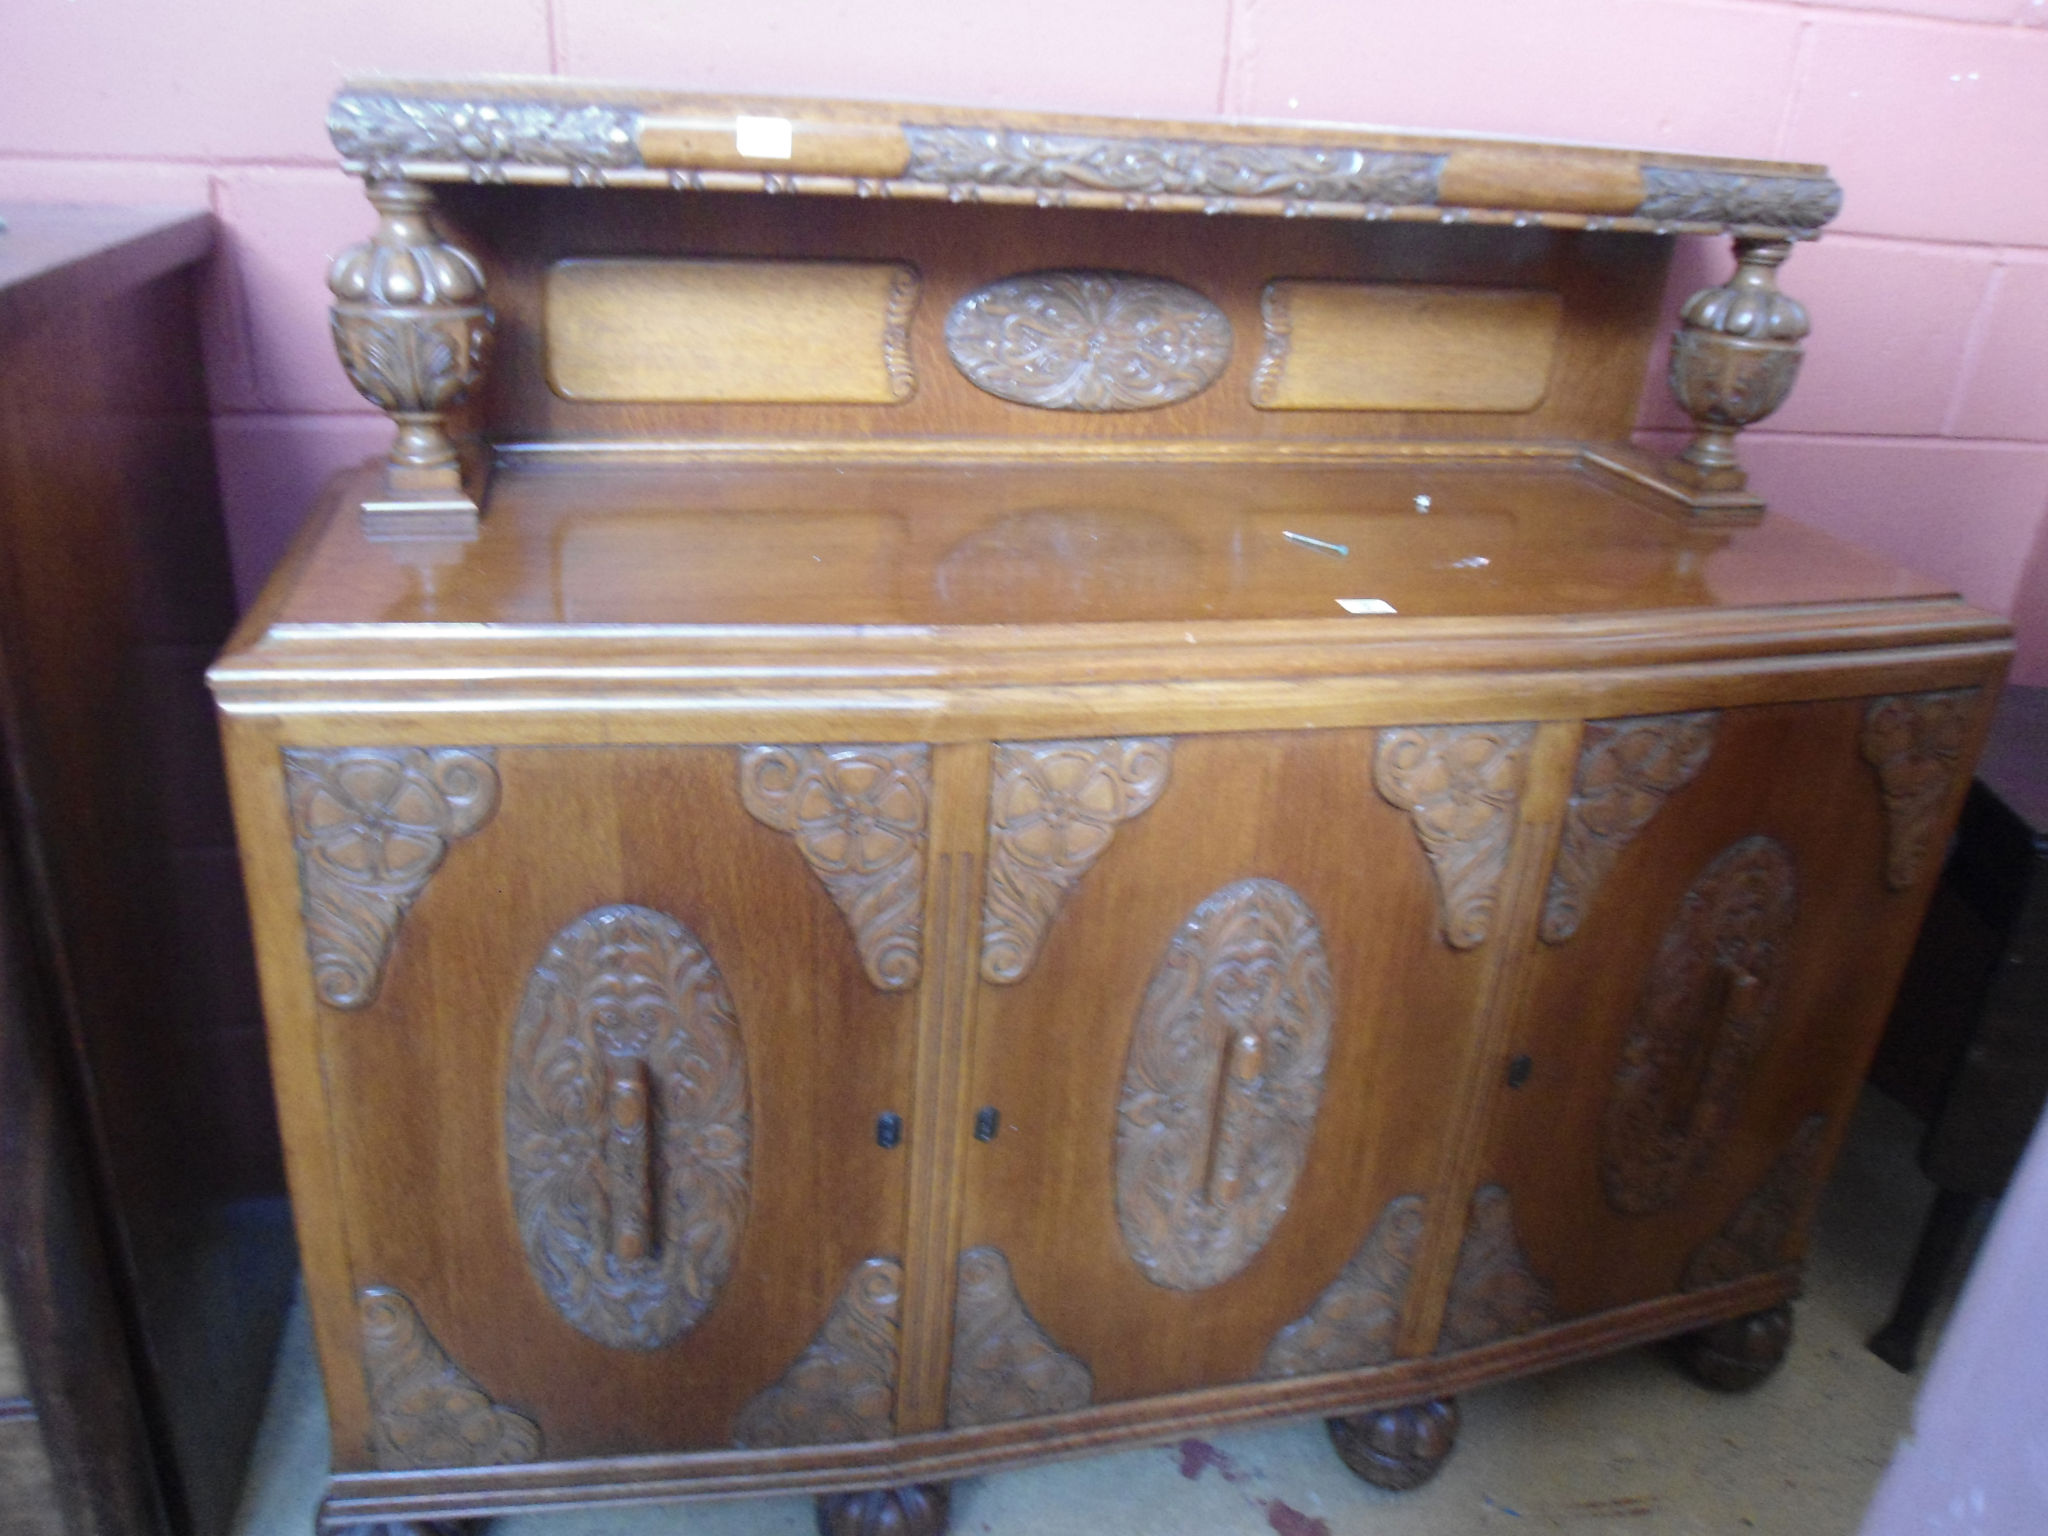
column 1222, row 1083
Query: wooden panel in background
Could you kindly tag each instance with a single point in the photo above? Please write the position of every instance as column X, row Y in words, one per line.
column 790, row 331
column 1406, row 347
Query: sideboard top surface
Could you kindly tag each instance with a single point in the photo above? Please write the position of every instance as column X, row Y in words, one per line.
column 772, row 542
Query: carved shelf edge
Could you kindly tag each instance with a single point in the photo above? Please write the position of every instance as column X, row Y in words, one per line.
column 1758, row 1237
column 1915, row 743
column 1054, row 807
column 1355, row 1321
column 1462, row 788
column 842, row 1388
column 371, row 825
column 494, row 131
column 1495, row 1291
column 859, row 816
column 1005, row 1365
column 424, row 1411
column 1627, row 769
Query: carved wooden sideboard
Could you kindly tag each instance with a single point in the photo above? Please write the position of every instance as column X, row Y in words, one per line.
column 1058, row 786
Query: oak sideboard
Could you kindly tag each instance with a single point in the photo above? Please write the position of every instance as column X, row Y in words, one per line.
column 977, row 787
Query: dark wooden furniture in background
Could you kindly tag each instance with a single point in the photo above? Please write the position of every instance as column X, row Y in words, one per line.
column 1967, row 1044
column 1058, row 786
column 146, row 1264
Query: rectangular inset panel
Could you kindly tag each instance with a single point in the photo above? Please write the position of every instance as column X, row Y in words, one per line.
column 1387, row 347
column 773, row 331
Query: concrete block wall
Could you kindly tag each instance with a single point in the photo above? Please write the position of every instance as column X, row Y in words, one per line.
column 1920, row 427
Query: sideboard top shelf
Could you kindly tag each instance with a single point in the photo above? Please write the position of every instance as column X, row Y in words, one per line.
column 559, row 132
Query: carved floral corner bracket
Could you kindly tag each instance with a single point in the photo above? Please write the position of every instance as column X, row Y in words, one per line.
column 1354, row 1323
column 1054, row 807
column 1915, row 742
column 1462, row 788
column 860, row 817
column 1627, row 770
column 424, row 1411
column 1758, row 1236
column 1495, row 1290
column 1005, row 1365
column 842, row 1388
column 371, row 825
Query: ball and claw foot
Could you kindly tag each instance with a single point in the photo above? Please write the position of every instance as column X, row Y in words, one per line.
column 915, row 1509
column 1740, row 1353
column 1398, row 1448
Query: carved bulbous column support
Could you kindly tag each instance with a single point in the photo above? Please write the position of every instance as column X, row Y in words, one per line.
column 1398, row 1448
column 413, row 332
column 915, row 1509
column 1734, row 360
column 1740, row 1353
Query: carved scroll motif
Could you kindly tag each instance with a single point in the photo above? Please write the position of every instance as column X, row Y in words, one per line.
column 380, row 132
column 424, row 1412
column 859, row 815
column 1495, row 1291
column 1088, row 341
column 1915, row 741
column 1627, row 769
column 1708, row 1006
column 1005, row 1366
column 1053, row 808
column 371, row 825
column 1354, row 1321
column 1222, row 1083
column 1758, row 1236
column 1462, row 787
column 1005, row 157
column 626, row 1130
column 843, row 1387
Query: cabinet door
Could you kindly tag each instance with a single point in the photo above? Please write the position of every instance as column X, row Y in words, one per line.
column 1733, row 898
column 1224, row 1005
column 605, row 1107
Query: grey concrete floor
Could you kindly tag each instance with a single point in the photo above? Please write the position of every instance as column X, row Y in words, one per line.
column 1625, row 1444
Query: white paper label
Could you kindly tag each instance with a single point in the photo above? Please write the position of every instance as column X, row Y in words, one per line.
column 1365, row 605
column 762, row 138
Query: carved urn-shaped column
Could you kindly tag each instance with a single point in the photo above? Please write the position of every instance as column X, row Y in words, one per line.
column 413, row 332
column 1735, row 360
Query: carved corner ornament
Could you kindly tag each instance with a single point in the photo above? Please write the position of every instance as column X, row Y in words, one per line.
column 1627, row 770
column 1915, row 742
column 371, row 825
column 1222, row 1084
column 1462, row 788
column 626, row 1128
column 842, row 1388
column 1708, row 1006
column 1054, row 807
column 414, row 335
column 1495, row 1291
column 1354, row 1322
column 1088, row 341
column 1734, row 359
column 1758, row 1237
column 424, row 1412
column 860, row 817
column 1005, row 1366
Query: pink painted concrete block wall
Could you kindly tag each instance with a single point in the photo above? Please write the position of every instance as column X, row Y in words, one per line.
column 1920, row 428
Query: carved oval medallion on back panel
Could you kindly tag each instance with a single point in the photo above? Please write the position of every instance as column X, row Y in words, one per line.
column 626, row 1129
column 1222, row 1083
column 1707, row 1009
column 1088, row 341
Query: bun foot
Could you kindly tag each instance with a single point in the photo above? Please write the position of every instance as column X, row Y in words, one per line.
column 1398, row 1448
column 915, row 1509
column 1740, row 1353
